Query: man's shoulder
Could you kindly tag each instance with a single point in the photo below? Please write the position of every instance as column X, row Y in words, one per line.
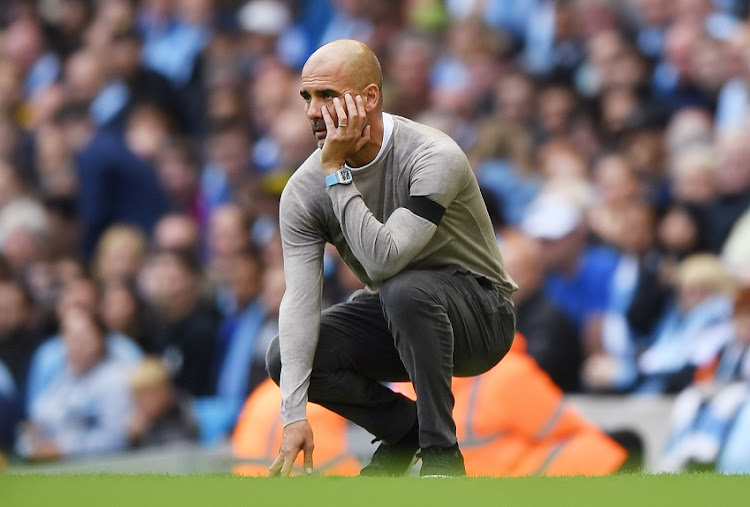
column 428, row 147
column 422, row 134
column 307, row 177
column 305, row 189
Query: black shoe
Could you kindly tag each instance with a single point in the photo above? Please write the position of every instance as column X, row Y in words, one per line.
column 393, row 460
column 442, row 462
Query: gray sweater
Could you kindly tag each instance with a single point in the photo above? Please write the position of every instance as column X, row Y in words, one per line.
column 389, row 219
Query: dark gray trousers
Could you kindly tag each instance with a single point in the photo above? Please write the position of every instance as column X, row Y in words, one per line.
column 423, row 326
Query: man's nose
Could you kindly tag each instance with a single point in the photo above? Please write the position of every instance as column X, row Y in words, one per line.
column 314, row 109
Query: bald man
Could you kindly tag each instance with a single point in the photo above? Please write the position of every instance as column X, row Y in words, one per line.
column 400, row 203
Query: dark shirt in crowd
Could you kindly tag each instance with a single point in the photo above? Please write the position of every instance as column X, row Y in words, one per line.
column 551, row 340
column 16, row 350
column 189, row 346
column 115, row 187
column 720, row 217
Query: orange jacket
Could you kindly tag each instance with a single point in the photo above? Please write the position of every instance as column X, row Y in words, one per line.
column 510, row 421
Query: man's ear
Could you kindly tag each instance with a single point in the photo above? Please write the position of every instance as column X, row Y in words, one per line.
column 371, row 95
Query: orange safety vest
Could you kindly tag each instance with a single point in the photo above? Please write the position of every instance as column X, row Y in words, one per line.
column 510, row 421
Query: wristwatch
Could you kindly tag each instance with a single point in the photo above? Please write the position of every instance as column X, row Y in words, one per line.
column 341, row 177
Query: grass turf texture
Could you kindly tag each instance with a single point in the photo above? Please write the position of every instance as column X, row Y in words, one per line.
column 632, row 490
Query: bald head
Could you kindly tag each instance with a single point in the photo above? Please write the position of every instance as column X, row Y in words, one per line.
column 339, row 69
column 351, row 60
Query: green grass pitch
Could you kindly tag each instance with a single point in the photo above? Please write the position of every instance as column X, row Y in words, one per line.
column 632, row 490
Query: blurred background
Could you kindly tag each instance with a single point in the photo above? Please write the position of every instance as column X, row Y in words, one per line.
column 144, row 145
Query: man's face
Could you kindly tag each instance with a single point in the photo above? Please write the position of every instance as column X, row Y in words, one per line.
column 322, row 81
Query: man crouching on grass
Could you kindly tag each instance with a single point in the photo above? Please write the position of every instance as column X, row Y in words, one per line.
column 401, row 204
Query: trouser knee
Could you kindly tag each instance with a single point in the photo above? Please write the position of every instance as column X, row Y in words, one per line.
column 273, row 361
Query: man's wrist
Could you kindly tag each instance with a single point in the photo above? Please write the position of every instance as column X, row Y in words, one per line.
column 291, row 415
column 331, row 167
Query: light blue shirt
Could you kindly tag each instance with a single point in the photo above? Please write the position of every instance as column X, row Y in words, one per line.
column 173, row 49
column 48, row 361
column 85, row 414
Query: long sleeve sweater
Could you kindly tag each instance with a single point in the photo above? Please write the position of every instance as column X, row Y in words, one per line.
column 416, row 206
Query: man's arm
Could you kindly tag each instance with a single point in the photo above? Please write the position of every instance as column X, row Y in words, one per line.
column 299, row 323
column 299, row 313
column 438, row 173
column 384, row 249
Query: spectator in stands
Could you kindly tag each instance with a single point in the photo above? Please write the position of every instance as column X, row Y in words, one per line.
column 120, row 253
column 408, row 76
column 176, row 231
column 117, row 184
column 123, row 311
column 11, row 186
column 514, row 98
column 615, row 185
column 87, row 82
column 49, row 359
column 84, row 409
column 142, row 85
column 693, row 175
column 687, row 127
column 171, row 282
column 24, row 231
column 733, row 187
column 637, row 298
column 236, row 349
column 17, row 337
column 55, row 168
column 692, row 331
column 673, row 82
column 556, row 103
column 178, row 167
column 734, row 96
column 551, row 338
column 24, row 44
column 161, row 415
column 678, row 234
column 577, row 277
column 227, row 164
column 503, row 161
column 704, row 412
column 228, row 234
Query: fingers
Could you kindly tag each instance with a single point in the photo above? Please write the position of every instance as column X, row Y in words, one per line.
column 286, row 469
column 275, row 468
column 308, row 452
column 342, row 116
column 361, row 112
column 357, row 114
column 283, row 464
column 330, row 126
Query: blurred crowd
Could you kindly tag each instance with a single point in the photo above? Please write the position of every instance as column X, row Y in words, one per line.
column 144, row 145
